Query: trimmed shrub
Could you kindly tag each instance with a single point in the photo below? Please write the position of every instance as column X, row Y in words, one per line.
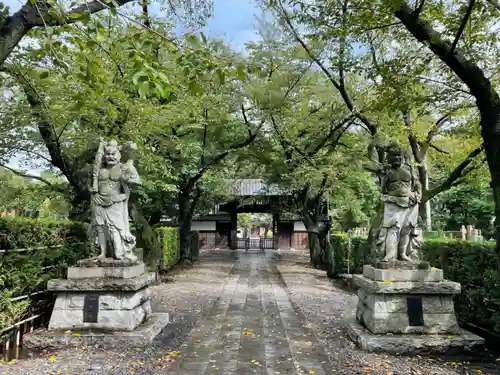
column 194, row 241
column 169, row 239
column 476, row 266
column 50, row 247
column 350, row 255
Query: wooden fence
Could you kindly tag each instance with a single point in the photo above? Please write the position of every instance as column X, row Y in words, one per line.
column 37, row 315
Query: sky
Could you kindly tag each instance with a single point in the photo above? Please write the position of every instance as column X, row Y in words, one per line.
column 235, row 21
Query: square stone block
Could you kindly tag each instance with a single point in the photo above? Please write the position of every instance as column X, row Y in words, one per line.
column 100, row 284
column 431, row 274
column 397, row 303
column 389, row 313
column 406, row 287
column 107, row 320
column 43, row 339
column 398, row 322
column 410, row 344
column 107, row 300
column 126, row 272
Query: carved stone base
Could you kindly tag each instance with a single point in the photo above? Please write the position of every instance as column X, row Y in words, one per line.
column 106, row 262
column 411, row 344
column 112, row 311
column 100, row 284
column 403, row 265
column 58, row 339
column 377, row 274
column 122, row 272
column 406, row 307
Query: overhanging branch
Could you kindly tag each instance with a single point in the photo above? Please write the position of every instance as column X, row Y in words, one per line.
column 34, row 177
column 461, row 28
column 459, row 172
column 370, row 124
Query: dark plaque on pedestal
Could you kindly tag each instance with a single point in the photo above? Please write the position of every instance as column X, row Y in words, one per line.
column 415, row 311
column 90, row 309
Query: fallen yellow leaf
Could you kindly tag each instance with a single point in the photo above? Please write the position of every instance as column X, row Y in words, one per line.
column 312, row 372
column 52, row 358
column 76, row 334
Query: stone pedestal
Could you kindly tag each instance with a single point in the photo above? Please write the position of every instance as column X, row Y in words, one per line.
column 101, row 301
column 403, row 303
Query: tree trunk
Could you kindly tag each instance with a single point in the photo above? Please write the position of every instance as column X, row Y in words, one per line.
column 13, row 30
column 315, row 251
column 490, row 131
column 80, row 206
column 487, row 99
column 146, row 238
column 185, row 220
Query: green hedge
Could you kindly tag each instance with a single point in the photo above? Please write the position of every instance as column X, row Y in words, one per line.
column 349, row 259
column 475, row 265
column 169, row 239
column 52, row 246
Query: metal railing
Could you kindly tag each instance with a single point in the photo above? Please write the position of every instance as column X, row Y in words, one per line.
column 261, row 243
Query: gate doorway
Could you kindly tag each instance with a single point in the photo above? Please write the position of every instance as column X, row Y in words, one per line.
column 255, row 232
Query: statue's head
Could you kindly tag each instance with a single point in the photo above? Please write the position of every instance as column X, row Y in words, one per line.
column 111, row 153
column 395, row 155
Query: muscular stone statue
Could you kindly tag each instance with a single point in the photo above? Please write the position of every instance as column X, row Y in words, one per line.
column 110, row 190
column 396, row 236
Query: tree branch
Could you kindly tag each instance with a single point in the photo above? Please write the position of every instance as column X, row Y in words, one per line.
column 145, row 13
column 216, row 159
column 418, row 10
column 432, row 145
column 462, row 25
column 21, row 22
column 457, row 173
column 342, row 45
column 46, row 129
column 370, row 124
column 330, row 134
column 382, row 26
column 465, row 69
column 412, row 138
column 495, row 3
column 33, row 177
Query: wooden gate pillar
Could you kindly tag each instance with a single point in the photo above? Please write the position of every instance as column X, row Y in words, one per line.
column 276, row 218
column 233, row 236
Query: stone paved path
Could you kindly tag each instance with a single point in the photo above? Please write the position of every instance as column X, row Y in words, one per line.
column 247, row 313
column 251, row 329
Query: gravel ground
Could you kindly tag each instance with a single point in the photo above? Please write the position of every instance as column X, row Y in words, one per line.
column 325, row 304
column 189, row 294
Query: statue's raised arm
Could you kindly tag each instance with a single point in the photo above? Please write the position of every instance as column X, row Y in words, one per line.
column 376, row 155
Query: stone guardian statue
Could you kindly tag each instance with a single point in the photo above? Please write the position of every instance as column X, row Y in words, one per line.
column 396, row 233
column 111, row 184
